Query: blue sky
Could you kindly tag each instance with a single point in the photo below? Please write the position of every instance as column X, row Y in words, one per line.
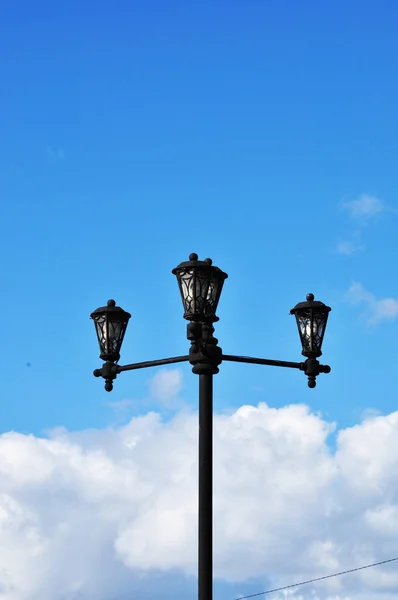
column 261, row 134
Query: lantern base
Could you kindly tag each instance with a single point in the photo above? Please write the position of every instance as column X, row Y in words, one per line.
column 108, row 372
column 312, row 368
column 204, row 354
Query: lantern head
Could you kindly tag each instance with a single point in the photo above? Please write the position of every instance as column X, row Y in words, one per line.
column 311, row 317
column 200, row 286
column 110, row 325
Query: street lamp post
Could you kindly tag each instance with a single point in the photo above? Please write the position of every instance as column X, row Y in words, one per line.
column 200, row 284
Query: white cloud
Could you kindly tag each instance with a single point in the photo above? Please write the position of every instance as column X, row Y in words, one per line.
column 164, row 391
column 362, row 210
column 383, row 309
column 166, row 384
column 365, row 207
column 121, row 405
column 86, row 515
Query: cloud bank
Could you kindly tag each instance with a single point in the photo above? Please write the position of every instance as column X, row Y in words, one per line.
column 111, row 514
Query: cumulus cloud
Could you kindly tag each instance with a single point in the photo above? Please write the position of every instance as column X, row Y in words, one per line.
column 377, row 309
column 166, row 384
column 109, row 513
column 164, row 391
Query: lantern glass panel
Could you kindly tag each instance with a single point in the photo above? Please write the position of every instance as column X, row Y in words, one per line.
column 311, row 325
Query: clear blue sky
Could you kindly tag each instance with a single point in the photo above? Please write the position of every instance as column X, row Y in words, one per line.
column 262, row 134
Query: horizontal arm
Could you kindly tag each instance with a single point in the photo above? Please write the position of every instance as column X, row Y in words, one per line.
column 264, row 361
column 144, row 365
column 153, row 363
column 311, row 366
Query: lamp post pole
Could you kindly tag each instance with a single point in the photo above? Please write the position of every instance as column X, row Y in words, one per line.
column 205, row 520
column 200, row 286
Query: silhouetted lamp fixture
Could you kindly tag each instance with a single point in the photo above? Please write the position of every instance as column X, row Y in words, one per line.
column 200, row 284
column 312, row 317
column 110, row 324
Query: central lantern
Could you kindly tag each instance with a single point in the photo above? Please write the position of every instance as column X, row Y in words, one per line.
column 200, row 286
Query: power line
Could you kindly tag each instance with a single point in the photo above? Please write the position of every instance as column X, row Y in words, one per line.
column 285, row 587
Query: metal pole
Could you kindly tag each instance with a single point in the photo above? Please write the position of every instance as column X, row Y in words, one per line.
column 205, row 545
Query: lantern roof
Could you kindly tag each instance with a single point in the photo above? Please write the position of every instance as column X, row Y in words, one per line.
column 310, row 303
column 110, row 309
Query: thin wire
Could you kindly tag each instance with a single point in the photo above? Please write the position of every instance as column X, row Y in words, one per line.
column 285, row 587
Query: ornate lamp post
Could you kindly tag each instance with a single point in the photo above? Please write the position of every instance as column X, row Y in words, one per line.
column 200, row 286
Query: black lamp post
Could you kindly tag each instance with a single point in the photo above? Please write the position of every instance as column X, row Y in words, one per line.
column 200, row 286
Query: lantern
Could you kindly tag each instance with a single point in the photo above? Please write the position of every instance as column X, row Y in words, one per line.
column 311, row 317
column 200, row 286
column 110, row 324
